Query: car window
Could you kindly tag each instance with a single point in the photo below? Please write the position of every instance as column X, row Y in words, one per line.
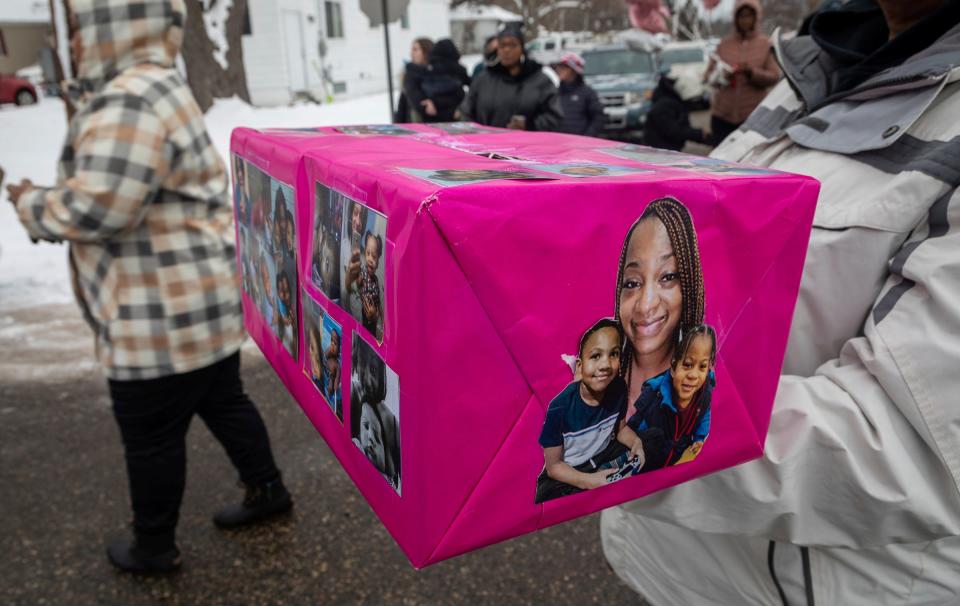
column 617, row 62
column 549, row 45
column 671, row 56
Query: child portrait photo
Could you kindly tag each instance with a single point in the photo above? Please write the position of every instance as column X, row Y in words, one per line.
column 327, row 231
column 363, row 246
column 323, row 337
column 375, row 411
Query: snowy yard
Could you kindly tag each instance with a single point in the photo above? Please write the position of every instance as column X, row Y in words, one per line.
column 36, row 274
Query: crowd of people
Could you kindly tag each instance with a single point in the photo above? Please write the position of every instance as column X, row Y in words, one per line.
column 509, row 89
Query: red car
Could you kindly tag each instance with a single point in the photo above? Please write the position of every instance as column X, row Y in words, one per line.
column 16, row 90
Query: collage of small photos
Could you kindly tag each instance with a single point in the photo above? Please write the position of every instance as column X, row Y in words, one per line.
column 347, row 267
column 267, row 239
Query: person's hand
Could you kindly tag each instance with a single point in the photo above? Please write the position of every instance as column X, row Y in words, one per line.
column 369, row 307
column 517, row 123
column 599, row 478
column 428, row 107
column 690, row 453
column 15, row 191
column 637, row 451
column 352, row 269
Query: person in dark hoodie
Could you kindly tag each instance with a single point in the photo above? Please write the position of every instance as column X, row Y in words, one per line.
column 582, row 110
column 514, row 93
column 442, row 84
column 668, row 123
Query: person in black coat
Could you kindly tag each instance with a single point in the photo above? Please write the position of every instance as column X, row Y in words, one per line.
column 668, row 123
column 410, row 107
column 442, row 84
column 582, row 110
column 514, row 93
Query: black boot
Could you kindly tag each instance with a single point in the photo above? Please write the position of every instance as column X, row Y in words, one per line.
column 132, row 557
column 260, row 502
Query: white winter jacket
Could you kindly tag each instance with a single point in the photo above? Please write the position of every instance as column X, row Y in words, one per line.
column 856, row 498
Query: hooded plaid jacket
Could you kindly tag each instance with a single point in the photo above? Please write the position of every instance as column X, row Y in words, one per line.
column 141, row 198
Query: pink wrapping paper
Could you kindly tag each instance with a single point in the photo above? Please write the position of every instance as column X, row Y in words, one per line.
column 483, row 286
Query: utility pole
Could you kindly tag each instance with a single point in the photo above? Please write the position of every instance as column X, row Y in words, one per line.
column 386, row 40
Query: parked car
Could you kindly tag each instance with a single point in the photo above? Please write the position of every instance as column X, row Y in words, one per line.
column 548, row 47
column 14, row 89
column 624, row 78
column 687, row 62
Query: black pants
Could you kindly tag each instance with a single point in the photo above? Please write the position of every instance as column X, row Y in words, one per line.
column 154, row 416
column 720, row 129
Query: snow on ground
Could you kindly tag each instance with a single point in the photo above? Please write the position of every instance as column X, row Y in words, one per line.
column 30, row 141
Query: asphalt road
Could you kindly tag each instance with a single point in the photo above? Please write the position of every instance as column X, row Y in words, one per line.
column 63, row 493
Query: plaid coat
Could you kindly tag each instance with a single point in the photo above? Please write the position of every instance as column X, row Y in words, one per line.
column 142, row 199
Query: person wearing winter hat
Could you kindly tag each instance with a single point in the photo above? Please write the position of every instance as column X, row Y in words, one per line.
column 748, row 53
column 668, row 123
column 142, row 200
column 582, row 110
column 514, row 93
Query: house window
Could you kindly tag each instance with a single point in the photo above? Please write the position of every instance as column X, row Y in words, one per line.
column 334, row 19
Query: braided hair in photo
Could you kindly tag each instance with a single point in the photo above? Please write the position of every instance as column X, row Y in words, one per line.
column 677, row 221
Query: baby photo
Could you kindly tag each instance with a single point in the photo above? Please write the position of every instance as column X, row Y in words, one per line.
column 375, row 411
column 589, row 170
column 376, row 129
column 327, row 230
column 323, row 337
column 281, row 239
column 448, row 177
column 363, row 242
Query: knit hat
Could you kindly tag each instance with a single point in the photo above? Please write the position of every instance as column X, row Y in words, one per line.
column 512, row 31
column 573, row 61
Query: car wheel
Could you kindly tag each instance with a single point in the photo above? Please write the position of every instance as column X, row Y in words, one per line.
column 25, row 97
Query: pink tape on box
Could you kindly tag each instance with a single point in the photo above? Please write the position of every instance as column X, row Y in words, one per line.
column 498, row 331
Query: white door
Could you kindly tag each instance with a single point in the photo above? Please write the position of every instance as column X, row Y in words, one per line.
column 296, row 54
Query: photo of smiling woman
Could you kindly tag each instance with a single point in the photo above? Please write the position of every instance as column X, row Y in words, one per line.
column 668, row 354
column 644, row 378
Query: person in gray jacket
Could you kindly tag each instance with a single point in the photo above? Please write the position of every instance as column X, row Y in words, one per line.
column 857, row 497
column 514, row 93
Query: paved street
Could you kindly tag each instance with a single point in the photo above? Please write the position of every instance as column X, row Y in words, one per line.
column 64, row 492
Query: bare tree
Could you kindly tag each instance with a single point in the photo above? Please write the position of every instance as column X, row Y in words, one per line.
column 208, row 77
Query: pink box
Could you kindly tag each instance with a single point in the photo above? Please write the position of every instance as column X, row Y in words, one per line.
column 422, row 292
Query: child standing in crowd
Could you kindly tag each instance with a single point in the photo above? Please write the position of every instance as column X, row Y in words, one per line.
column 579, row 449
column 582, row 110
column 673, row 411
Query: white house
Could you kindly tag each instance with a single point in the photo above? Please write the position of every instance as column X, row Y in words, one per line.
column 24, row 26
column 328, row 47
column 472, row 24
